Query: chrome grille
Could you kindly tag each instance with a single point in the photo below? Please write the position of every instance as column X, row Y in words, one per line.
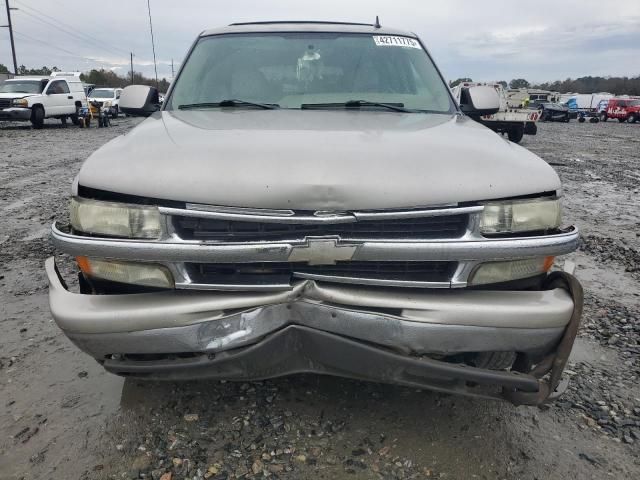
column 282, row 273
column 5, row 102
column 423, row 228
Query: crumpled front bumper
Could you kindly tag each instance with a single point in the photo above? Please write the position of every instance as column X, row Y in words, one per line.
column 15, row 113
column 360, row 332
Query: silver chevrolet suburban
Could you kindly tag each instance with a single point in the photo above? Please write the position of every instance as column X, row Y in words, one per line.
column 310, row 198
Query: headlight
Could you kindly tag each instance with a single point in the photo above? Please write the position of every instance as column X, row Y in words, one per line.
column 521, row 216
column 115, row 219
column 146, row 274
column 20, row 102
column 496, row 272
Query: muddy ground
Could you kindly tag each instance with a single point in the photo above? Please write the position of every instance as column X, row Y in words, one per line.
column 63, row 417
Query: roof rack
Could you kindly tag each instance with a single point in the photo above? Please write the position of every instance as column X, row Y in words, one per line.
column 313, row 22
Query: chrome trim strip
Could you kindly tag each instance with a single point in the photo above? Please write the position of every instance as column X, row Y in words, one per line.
column 230, row 287
column 319, row 217
column 175, row 250
column 371, row 281
column 245, row 217
column 240, row 210
column 391, row 215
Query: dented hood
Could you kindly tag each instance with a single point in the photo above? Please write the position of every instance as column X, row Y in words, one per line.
column 315, row 160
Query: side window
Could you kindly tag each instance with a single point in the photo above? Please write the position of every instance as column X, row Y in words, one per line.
column 58, row 86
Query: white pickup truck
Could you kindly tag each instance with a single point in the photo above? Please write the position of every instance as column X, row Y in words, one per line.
column 38, row 97
column 515, row 122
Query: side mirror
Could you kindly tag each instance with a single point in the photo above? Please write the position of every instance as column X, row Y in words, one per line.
column 479, row 100
column 139, row 100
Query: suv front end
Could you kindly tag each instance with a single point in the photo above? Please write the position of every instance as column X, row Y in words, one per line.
column 384, row 241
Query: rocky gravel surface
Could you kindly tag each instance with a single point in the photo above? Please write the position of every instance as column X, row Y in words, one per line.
column 63, row 417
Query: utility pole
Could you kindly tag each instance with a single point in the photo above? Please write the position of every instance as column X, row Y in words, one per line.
column 132, row 80
column 13, row 46
column 153, row 45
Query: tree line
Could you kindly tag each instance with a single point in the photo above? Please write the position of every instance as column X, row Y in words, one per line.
column 589, row 84
column 101, row 77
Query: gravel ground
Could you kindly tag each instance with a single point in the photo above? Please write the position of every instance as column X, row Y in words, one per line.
column 62, row 416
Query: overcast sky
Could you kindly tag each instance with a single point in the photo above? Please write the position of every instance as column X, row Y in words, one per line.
column 482, row 39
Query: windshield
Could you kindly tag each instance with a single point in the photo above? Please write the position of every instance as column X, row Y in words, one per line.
column 101, row 93
column 23, row 86
column 295, row 69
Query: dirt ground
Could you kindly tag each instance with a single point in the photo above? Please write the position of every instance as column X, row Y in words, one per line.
column 63, row 417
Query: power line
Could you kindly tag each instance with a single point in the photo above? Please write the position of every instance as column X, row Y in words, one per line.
column 54, row 47
column 58, row 28
column 73, row 28
column 63, row 27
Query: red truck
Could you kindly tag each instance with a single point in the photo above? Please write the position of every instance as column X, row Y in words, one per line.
column 624, row 109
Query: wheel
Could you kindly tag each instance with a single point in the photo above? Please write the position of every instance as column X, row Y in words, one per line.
column 603, row 117
column 37, row 117
column 115, row 112
column 530, row 128
column 75, row 117
column 515, row 134
column 594, row 120
column 581, row 119
column 63, row 120
column 621, row 120
column 494, row 360
column 632, row 118
column 567, row 119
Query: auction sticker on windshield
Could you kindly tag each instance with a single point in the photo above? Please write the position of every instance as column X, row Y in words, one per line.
column 391, row 41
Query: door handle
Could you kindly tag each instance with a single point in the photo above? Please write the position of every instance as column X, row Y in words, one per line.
column 70, row 97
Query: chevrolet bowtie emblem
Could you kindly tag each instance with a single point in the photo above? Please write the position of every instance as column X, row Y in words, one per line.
column 322, row 251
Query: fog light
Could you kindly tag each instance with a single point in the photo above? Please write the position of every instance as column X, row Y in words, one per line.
column 147, row 274
column 496, row 272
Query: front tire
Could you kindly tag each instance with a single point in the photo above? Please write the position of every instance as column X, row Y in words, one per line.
column 603, row 117
column 37, row 117
column 632, row 118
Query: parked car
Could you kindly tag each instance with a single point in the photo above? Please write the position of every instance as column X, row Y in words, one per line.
column 35, row 98
column 553, row 112
column 310, row 198
column 624, row 109
column 108, row 98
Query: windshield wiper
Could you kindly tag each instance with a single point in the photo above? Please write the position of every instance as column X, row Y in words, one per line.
column 229, row 103
column 398, row 107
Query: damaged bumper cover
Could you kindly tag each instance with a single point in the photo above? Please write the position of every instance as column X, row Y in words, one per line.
column 358, row 332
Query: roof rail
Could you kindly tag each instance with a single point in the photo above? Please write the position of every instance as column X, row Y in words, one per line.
column 312, row 22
